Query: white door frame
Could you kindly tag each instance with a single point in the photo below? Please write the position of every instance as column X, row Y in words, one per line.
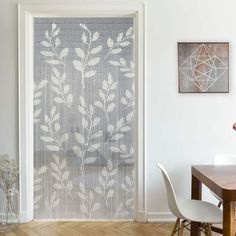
column 83, row 8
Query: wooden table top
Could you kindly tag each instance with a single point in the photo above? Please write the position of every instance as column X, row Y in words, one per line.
column 220, row 179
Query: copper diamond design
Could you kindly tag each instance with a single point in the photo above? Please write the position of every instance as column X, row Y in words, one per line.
column 203, row 68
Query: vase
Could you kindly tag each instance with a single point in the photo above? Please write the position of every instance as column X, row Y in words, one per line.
column 10, row 220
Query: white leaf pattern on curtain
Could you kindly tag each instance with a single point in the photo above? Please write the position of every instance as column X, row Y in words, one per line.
column 84, row 120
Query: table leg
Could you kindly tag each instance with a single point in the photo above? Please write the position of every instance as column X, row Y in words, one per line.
column 228, row 218
column 197, row 195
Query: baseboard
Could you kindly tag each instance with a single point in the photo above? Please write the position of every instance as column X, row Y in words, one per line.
column 140, row 216
column 160, row 217
column 24, row 217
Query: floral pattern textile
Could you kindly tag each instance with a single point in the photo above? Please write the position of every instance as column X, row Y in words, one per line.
column 84, row 120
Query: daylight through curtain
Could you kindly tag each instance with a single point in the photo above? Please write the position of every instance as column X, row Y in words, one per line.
column 84, row 100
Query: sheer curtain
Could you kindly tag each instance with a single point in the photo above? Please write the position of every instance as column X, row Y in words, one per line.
column 84, row 98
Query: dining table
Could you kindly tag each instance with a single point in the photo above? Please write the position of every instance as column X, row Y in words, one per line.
column 220, row 179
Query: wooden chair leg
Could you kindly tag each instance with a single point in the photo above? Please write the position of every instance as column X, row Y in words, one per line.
column 208, row 230
column 181, row 230
column 176, row 226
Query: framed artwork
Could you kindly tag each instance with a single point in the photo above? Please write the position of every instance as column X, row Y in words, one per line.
column 203, row 67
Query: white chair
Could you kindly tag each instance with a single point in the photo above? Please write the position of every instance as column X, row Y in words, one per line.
column 186, row 210
column 223, row 159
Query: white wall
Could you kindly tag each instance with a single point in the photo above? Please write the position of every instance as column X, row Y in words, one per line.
column 181, row 129
column 185, row 129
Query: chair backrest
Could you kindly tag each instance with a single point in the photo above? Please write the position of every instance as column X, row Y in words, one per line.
column 171, row 197
column 225, row 159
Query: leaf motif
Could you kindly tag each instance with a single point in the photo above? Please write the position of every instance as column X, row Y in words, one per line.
column 64, row 138
column 56, row 176
column 102, row 95
column 129, row 75
column 125, row 129
column 114, row 149
column 53, row 62
column 123, row 101
column 56, row 32
column 64, row 52
column 53, row 148
column 95, row 36
column 78, row 65
column 130, row 116
column 111, row 97
column 90, row 160
column 82, row 110
column 55, row 167
column 42, row 170
column 46, row 44
column 58, row 100
column 58, row 186
column 89, row 74
column 94, row 61
column 81, row 196
column 56, row 203
column 66, row 88
column 42, row 84
column 117, row 136
column 84, row 123
column 36, row 102
column 111, row 107
column 114, row 63
column 116, row 50
column 84, row 38
column 110, row 43
column 66, row 175
column 96, row 121
column 96, row 50
column 46, row 139
column 38, row 94
column 55, row 80
column 47, row 54
column 110, row 193
column 129, row 32
column 57, row 127
column 56, row 90
column 104, row 85
column 124, row 44
column 69, row 185
column 96, row 135
column 120, row 36
column 69, row 98
column 44, row 128
column 111, row 183
column 120, row 122
column 80, row 139
column 98, row 190
column 57, row 42
column 110, row 128
column 80, row 52
column 77, row 150
column 98, row 104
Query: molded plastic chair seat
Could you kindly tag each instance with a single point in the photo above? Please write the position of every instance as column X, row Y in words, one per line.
column 199, row 211
column 203, row 212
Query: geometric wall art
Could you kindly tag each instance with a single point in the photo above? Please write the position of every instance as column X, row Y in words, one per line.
column 203, row 67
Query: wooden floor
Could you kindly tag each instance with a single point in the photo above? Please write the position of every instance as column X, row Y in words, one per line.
column 94, row 229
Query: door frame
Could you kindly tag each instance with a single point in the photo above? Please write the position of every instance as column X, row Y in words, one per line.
column 83, row 8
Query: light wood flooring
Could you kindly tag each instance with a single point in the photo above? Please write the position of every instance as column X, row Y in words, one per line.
column 94, row 229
